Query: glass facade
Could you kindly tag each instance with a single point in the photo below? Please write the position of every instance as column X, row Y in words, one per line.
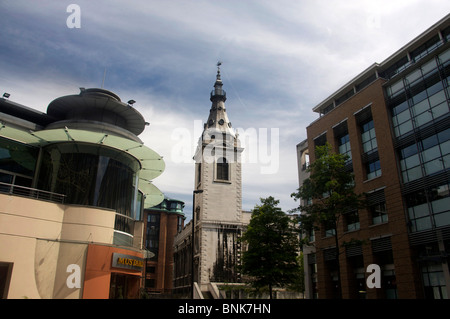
column 429, row 208
column 94, row 176
column 434, row 280
column 419, row 109
column 421, row 96
column 419, row 104
column 17, row 163
column 425, row 157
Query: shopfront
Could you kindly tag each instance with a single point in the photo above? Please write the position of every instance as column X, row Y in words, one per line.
column 112, row 273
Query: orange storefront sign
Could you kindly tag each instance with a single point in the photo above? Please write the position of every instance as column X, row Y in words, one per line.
column 101, row 262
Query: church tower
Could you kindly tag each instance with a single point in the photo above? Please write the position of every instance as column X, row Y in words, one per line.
column 218, row 199
column 218, row 220
column 218, row 164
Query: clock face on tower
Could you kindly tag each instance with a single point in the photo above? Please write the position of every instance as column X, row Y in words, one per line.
column 221, row 121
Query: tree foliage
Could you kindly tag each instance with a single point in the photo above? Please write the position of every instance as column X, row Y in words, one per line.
column 328, row 193
column 271, row 258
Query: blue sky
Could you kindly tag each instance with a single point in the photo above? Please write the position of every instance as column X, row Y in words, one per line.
column 280, row 59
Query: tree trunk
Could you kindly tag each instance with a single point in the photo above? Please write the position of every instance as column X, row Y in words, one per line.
column 337, row 261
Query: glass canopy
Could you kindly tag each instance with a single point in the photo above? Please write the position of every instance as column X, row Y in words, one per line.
column 152, row 164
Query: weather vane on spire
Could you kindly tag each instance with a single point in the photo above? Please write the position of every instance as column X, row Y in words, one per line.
column 219, row 63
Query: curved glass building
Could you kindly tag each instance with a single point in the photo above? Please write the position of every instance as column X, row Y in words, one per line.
column 82, row 158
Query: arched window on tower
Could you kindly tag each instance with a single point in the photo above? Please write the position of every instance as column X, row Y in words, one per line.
column 222, row 169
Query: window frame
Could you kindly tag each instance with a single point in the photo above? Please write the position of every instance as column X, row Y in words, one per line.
column 222, row 170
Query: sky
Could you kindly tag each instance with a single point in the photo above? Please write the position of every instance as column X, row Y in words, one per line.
column 279, row 60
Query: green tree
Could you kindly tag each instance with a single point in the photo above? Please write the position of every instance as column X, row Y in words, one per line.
column 329, row 194
column 271, row 258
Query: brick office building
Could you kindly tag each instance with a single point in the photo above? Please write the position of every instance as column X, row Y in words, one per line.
column 393, row 121
column 161, row 224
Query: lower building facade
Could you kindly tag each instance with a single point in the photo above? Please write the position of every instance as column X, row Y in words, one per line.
column 55, row 251
column 393, row 120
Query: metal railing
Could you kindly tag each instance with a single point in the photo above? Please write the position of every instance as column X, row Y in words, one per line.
column 12, row 189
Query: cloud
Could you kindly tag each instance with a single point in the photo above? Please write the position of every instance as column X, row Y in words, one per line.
column 280, row 58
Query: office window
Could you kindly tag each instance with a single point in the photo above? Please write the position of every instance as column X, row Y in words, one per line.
column 343, row 142
column 373, row 169
column 377, row 206
column 311, row 235
column 429, row 208
column 180, row 223
column 418, row 211
column 430, row 155
column 434, row 280
column 329, row 229
column 370, row 147
column 410, row 163
column 344, row 146
column 305, row 161
column 153, row 218
column 370, row 157
column 343, row 139
column 368, row 137
column 352, row 221
column 396, row 68
column 440, row 205
column 328, row 108
column 426, row 48
column 152, row 240
column 379, row 213
column 395, row 89
column 320, row 140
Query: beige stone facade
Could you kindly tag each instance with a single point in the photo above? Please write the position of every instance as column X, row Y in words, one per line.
column 218, row 217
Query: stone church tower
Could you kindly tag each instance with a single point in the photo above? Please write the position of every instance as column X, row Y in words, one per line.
column 218, row 219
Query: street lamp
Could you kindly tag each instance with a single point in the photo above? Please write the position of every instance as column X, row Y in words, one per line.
column 198, row 191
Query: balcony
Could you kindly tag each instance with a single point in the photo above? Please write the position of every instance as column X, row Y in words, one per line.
column 17, row 190
column 219, row 94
